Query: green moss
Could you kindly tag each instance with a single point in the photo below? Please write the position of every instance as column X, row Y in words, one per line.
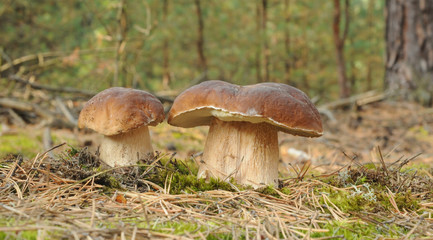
column 405, row 200
column 178, row 227
column 420, row 132
column 361, row 198
column 269, row 190
column 181, row 176
column 221, row 237
column 188, row 183
column 177, row 135
column 370, row 166
column 59, row 137
column 21, row 144
column 182, row 227
column 416, row 167
column 72, row 152
column 344, row 200
column 358, row 230
column 109, row 181
column 371, row 198
column 30, row 235
column 286, row 190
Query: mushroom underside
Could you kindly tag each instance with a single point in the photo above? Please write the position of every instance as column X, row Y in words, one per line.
column 126, row 149
column 247, row 152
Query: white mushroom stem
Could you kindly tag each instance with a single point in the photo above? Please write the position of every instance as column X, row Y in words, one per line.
column 247, row 152
column 126, row 149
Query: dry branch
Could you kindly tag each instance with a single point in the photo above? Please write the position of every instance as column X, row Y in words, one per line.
column 359, row 100
column 47, row 140
column 69, row 90
column 49, row 117
column 16, row 118
column 50, row 88
column 41, row 57
column 27, row 107
column 66, row 111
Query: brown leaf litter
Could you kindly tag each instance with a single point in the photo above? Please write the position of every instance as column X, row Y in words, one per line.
column 67, row 199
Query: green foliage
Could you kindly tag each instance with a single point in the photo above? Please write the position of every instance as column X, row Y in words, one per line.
column 231, row 43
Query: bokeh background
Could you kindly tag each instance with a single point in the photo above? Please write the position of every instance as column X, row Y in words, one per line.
column 164, row 44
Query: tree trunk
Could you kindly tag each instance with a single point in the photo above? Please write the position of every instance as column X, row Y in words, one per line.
column 287, row 62
column 266, row 50
column 259, row 43
column 120, row 44
column 370, row 22
column 200, row 39
column 409, row 49
column 339, row 46
column 166, row 54
column 353, row 72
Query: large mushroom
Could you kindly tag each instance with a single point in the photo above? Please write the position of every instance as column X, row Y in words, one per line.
column 244, row 122
column 122, row 115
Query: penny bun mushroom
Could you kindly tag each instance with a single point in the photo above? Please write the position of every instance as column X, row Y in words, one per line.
column 122, row 115
column 244, row 122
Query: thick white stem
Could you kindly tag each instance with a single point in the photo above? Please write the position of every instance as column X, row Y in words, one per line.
column 127, row 148
column 247, row 152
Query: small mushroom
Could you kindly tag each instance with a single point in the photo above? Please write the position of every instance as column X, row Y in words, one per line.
column 122, row 115
column 244, row 122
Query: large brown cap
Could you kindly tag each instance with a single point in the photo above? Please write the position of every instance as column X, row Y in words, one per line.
column 119, row 110
column 281, row 105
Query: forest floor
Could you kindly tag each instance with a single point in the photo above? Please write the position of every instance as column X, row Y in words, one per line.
column 369, row 177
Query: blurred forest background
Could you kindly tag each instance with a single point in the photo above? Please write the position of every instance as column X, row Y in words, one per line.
column 329, row 49
column 165, row 44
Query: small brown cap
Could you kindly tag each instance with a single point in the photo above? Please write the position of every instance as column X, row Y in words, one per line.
column 281, row 105
column 119, row 110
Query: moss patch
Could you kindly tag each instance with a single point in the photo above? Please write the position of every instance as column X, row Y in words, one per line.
column 19, row 144
column 358, row 230
column 30, row 235
column 172, row 175
column 347, row 201
column 181, row 176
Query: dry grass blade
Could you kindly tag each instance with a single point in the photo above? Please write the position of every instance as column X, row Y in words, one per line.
column 80, row 208
column 382, row 161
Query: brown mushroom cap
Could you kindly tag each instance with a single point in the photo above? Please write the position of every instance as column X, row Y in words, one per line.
column 281, row 105
column 118, row 110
